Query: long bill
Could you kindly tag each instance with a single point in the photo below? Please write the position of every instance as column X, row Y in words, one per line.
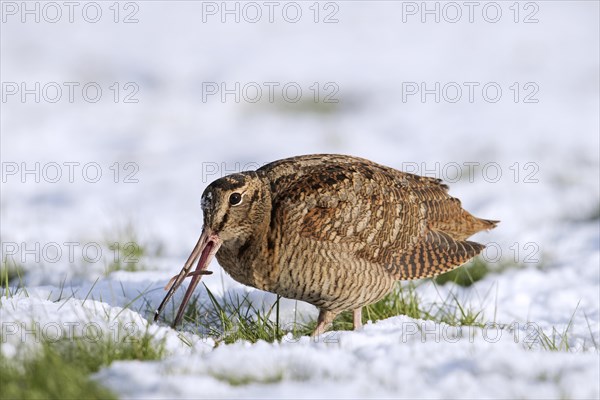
column 204, row 251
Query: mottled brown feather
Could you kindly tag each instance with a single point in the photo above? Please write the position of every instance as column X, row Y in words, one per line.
column 338, row 231
column 346, row 205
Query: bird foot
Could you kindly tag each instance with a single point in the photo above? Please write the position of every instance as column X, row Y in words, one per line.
column 323, row 322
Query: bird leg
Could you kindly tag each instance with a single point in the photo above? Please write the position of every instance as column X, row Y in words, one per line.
column 357, row 316
column 323, row 322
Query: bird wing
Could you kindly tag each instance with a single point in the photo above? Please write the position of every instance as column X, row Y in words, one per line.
column 405, row 222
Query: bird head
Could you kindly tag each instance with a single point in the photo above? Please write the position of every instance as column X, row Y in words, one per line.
column 234, row 207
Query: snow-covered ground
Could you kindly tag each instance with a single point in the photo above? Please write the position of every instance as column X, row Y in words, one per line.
column 514, row 129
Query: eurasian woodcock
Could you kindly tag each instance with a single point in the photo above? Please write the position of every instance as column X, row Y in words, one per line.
column 332, row 230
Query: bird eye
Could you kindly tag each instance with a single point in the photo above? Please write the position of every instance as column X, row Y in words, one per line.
column 235, row 199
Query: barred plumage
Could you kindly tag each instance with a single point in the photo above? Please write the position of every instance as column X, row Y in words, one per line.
column 333, row 230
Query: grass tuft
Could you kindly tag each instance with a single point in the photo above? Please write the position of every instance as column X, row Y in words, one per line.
column 308, row 106
column 48, row 375
column 62, row 369
column 556, row 341
column 232, row 319
column 467, row 274
column 402, row 300
column 11, row 271
column 128, row 252
column 11, row 278
column 91, row 355
column 275, row 377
